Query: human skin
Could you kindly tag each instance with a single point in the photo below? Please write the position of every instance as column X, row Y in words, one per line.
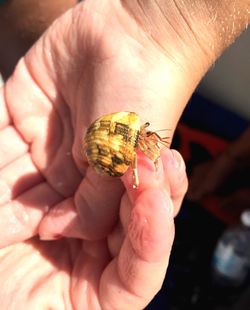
column 96, row 59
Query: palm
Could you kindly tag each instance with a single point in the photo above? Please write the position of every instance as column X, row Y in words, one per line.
column 47, row 187
column 101, row 265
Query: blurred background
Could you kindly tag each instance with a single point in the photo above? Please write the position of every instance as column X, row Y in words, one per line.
column 209, row 265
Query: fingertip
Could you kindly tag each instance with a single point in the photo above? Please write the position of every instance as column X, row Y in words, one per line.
column 175, row 174
column 173, row 163
column 170, row 176
column 148, row 175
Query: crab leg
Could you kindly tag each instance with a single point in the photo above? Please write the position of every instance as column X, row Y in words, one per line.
column 135, row 172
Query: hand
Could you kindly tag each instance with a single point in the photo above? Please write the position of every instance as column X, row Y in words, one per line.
column 95, row 60
column 120, row 239
column 125, row 239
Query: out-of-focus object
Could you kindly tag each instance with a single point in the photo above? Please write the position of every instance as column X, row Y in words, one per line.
column 231, row 259
column 227, row 82
column 21, row 23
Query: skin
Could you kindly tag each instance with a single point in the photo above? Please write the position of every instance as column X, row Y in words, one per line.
column 91, row 62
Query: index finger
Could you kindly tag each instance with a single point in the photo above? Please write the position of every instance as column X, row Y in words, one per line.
column 170, row 176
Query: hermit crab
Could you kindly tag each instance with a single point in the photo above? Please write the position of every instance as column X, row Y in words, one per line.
column 111, row 142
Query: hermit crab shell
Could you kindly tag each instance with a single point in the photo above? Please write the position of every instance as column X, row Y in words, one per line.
column 110, row 142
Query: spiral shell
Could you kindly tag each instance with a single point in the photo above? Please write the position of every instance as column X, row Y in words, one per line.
column 111, row 141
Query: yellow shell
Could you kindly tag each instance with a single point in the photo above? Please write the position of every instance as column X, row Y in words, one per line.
column 110, row 142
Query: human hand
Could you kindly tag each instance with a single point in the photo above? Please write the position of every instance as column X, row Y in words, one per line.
column 92, row 62
column 120, row 239
column 124, row 241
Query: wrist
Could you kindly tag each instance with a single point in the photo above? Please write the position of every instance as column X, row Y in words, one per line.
column 171, row 70
column 196, row 30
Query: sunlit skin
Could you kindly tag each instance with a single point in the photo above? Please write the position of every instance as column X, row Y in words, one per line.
column 120, row 237
column 111, row 243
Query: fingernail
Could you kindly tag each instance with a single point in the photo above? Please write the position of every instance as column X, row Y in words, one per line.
column 177, row 160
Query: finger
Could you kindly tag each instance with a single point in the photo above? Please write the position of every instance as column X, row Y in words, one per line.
column 12, row 146
column 17, row 177
column 88, row 267
column 92, row 213
column 148, row 178
column 115, row 239
column 46, row 125
column 61, row 221
column 138, row 272
column 19, row 219
column 170, row 176
column 4, row 115
column 175, row 175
